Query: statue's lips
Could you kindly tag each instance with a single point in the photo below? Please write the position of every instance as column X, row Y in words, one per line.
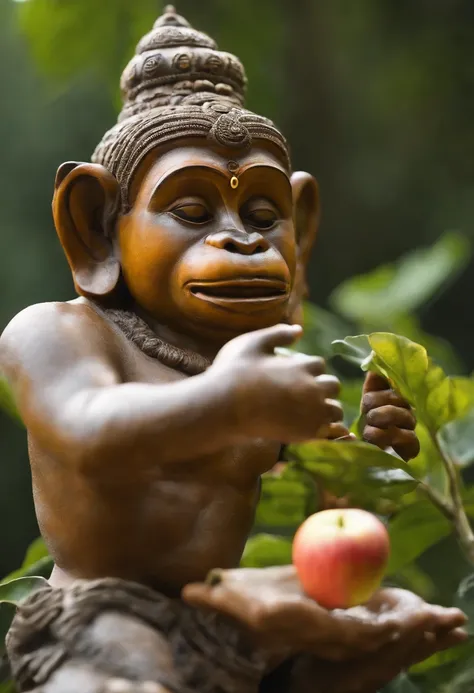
column 238, row 291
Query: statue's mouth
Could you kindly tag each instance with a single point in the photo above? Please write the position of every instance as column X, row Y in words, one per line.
column 254, row 290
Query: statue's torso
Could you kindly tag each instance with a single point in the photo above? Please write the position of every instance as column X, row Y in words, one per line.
column 165, row 527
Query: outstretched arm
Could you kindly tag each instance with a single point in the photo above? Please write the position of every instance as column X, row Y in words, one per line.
column 66, row 369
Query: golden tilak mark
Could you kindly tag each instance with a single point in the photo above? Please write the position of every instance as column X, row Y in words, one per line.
column 233, row 167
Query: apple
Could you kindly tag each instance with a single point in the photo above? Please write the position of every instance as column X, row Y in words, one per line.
column 340, row 556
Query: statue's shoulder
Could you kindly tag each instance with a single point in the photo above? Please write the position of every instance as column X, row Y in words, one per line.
column 49, row 330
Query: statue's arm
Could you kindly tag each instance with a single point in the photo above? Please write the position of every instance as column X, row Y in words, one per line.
column 65, row 372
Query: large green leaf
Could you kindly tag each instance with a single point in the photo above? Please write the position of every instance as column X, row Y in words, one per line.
column 437, row 398
column 363, row 472
column 380, row 296
column 265, row 550
column 414, row 530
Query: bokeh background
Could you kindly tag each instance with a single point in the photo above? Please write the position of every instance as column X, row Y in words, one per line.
column 376, row 98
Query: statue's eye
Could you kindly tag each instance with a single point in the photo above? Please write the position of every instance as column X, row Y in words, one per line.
column 261, row 218
column 194, row 212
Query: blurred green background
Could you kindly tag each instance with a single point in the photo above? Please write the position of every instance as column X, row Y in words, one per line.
column 376, row 98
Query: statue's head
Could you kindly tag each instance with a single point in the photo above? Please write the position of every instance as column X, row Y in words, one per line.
column 190, row 202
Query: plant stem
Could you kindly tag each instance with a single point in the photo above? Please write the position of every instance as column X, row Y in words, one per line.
column 459, row 518
column 444, row 506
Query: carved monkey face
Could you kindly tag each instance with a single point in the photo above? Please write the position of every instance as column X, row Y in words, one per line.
column 215, row 243
column 200, row 254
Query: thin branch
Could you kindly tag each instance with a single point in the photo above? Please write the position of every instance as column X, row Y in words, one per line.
column 444, row 506
column 460, row 520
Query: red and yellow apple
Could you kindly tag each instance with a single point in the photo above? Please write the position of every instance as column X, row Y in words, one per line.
column 340, row 556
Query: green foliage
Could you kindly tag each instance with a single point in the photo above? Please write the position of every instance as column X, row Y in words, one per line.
column 367, row 476
column 412, row 531
column 391, row 291
column 266, row 549
column 70, row 38
column 437, row 398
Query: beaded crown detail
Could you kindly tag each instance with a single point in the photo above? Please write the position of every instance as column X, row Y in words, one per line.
column 179, row 85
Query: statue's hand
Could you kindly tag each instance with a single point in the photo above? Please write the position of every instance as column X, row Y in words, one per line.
column 270, row 604
column 278, row 397
column 389, row 419
column 368, row 673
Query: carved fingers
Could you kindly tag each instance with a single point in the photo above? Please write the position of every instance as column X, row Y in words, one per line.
column 420, row 630
column 390, row 421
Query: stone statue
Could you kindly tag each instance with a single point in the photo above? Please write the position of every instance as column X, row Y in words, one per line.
column 155, row 401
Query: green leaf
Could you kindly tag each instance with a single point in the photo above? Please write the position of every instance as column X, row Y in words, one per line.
column 14, row 591
column 344, row 455
column 457, row 439
column 283, row 503
column 356, row 350
column 363, row 472
column 7, row 403
column 437, row 398
column 11, row 594
column 405, row 363
column 381, row 296
column 413, row 530
column 265, row 550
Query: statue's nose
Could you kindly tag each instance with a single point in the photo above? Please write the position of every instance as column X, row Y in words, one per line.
column 235, row 241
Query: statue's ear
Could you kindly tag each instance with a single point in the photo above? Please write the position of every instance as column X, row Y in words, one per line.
column 306, row 219
column 85, row 206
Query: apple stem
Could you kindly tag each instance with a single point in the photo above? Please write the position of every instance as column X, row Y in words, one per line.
column 340, row 521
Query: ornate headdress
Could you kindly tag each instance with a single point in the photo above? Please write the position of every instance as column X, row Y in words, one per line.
column 179, row 85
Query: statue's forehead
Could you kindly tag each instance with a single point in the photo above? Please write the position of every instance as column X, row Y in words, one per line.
column 161, row 165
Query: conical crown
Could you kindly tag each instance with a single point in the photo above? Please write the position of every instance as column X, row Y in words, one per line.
column 174, row 60
column 178, row 85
